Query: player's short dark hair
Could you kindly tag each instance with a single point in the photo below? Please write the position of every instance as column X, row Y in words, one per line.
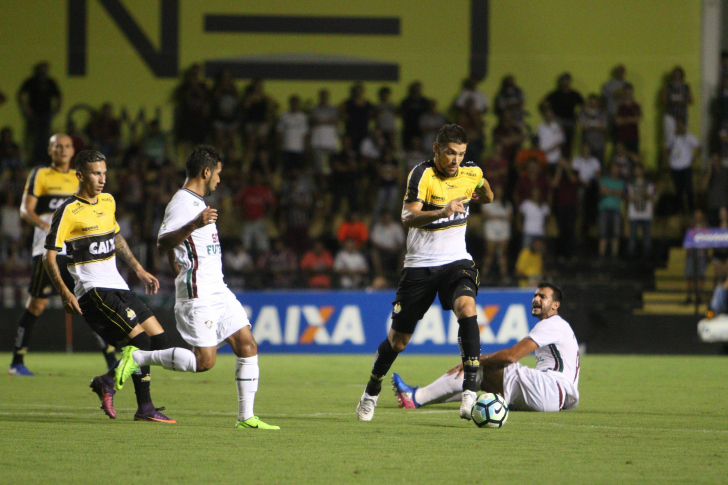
column 202, row 157
column 558, row 294
column 451, row 134
column 86, row 157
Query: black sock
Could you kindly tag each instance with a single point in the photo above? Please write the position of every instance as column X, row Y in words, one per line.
column 158, row 342
column 382, row 362
column 142, row 379
column 469, row 343
column 110, row 356
column 22, row 337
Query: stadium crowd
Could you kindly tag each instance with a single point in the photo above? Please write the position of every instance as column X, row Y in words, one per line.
column 312, row 190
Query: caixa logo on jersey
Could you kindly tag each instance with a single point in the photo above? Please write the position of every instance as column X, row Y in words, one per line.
column 356, row 322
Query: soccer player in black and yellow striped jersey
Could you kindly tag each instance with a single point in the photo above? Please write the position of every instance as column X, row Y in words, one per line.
column 46, row 189
column 86, row 225
column 435, row 210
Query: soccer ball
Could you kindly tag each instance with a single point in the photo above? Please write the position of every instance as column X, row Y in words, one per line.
column 490, row 411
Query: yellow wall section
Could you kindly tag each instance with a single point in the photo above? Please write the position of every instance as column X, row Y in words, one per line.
column 533, row 39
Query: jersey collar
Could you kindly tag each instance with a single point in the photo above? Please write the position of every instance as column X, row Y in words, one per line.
column 192, row 193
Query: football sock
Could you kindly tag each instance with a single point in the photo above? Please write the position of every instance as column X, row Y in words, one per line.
column 383, row 360
column 110, row 356
column 447, row 388
column 141, row 377
column 469, row 343
column 176, row 358
column 158, row 342
column 22, row 337
column 246, row 377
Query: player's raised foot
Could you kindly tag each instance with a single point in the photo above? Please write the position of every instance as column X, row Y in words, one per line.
column 126, row 366
column 466, row 407
column 105, row 390
column 365, row 409
column 147, row 412
column 19, row 370
column 254, row 423
column 405, row 394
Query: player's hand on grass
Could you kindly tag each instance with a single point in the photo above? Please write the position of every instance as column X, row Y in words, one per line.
column 457, row 370
column 151, row 284
column 70, row 304
column 455, row 205
column 207, row 216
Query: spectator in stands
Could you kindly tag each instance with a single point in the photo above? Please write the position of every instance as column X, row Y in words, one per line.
column 387, row 249
column 510, row 98
column 104, row 131
column 469, row 91
column 530, row 151
column 551, row 137
column 410, row 109
column 509, row 132
column 497, row 231
column 682, row 152
column 715, row 184
column 470, row 119
column 258, row 111
column 278, row 265
column 356, row 112
column 386, row 114
column 351, row 266
column 297, row 201
column 40, row 100
column 531, row 178
column 430, row 123
column 10, row 155
column 496, row 167
column 343, row 179
column 627, row 121
column 317, row 264
column 388, row 197
column 676, row 97
column 11, row 228
column 532, row 215
column 613, row 90
column 79, row 138
column 696, row 262
column 611, row 189
column 564, row 102
column 416, row 154
column 324, row 133
column 225, row 110
column 640, row 200
column 565, row 190
column 238, row 267
column 529, row 265
column 372, row 149
column 190, row 109
column 293, row 131
column 132, row 179
column 155, row 145
column 256, row 202
column 353, row 228
column 594, row 124
column 624, row 160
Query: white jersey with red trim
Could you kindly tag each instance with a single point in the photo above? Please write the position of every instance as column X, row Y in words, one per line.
column 558, row 354
column 199, row 256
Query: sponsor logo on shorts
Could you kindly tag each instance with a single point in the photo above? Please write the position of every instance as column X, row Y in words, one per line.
column 130, row 314
column 397, row 308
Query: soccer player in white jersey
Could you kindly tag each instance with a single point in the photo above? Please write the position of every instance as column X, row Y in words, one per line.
column 207, row 312
column 552, row 386
column 435, row 210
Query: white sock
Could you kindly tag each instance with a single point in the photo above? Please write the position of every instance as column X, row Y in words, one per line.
column 246, row 377
column 175, row 358
column 447, row 388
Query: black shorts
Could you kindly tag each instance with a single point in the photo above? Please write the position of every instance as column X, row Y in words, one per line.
column 419, row 286
column 113, row 313
column 41, row 285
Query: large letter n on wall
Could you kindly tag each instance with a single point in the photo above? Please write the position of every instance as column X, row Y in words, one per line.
column 162, row 62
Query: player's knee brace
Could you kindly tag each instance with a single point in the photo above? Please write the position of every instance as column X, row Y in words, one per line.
column 141, row 341
column 159, row 341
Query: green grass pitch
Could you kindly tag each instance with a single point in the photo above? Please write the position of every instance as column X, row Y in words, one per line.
column 640, row 420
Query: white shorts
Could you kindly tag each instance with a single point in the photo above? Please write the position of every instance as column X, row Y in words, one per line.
column 528, row 389
column 208, row 321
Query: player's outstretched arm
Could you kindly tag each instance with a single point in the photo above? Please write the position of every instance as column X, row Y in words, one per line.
column 172, row 239
column 506, row 357
column 414, row 216
column 151, row 284
column 70, row 303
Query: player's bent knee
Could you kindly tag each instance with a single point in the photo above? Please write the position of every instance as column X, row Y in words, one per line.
column 36, row 306
column 204, row 365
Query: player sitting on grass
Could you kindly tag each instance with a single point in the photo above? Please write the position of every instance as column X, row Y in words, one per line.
column 86, row 223
column 552, row 386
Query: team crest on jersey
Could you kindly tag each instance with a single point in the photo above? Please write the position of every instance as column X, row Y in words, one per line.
column 130, row 314
column 397, row 308
column 209, row 324
column 196, row 203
